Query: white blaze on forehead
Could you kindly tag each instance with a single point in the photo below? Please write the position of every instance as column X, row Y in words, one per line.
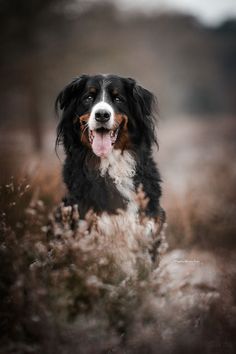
column 105, row 83
column 102, row 105
column 103, row 93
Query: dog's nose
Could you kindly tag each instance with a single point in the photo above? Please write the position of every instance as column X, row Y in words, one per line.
column 102, row 115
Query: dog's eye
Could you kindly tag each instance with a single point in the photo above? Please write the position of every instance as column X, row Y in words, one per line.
column 89, row 98
column 117, row 99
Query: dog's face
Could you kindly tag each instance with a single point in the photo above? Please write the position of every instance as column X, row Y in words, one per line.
column 105, row 112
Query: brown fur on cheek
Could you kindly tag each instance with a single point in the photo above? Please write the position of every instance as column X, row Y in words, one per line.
column 123, row 140
column 83, row 120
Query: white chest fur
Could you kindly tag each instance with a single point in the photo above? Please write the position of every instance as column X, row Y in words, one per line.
column 121, row 168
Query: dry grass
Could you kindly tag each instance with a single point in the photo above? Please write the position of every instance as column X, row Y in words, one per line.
column 58, row 268
column 90, row 286
column 204, row 216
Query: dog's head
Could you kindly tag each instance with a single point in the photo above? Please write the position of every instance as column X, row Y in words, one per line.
column 105, row 112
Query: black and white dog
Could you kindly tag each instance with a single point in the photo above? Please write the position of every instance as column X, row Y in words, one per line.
column 107, row 129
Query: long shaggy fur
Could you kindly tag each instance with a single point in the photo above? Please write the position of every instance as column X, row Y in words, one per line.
column 87, row 186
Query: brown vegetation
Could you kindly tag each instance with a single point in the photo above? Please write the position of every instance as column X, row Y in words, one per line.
column 90, row 286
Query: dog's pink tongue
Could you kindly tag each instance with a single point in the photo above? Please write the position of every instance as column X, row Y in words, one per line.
column 101, row 143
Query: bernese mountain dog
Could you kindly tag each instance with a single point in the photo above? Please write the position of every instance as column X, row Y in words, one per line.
column 107, row 128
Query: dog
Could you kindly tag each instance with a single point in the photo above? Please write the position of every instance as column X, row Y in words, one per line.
column 107, row 129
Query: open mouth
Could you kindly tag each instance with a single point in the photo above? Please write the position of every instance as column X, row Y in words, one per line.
column 102, row 140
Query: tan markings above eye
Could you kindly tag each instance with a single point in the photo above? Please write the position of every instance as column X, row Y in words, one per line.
column 115, row 92
column 92, row 90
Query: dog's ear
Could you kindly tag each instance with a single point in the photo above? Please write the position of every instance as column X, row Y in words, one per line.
column 145, row 99
column 70, row 92
column 144, row 108
column 66, row 101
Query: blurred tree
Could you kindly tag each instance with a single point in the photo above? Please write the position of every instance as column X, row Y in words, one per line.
column 45, row 43
column 25, row 25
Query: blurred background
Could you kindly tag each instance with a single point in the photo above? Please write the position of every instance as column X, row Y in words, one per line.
column 183, row 51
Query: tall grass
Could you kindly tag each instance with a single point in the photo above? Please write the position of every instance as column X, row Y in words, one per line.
column 91, row 286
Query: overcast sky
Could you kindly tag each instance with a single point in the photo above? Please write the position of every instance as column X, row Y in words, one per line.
column 209, row 11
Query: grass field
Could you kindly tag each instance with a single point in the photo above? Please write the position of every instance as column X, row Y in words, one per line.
column 85, row 289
